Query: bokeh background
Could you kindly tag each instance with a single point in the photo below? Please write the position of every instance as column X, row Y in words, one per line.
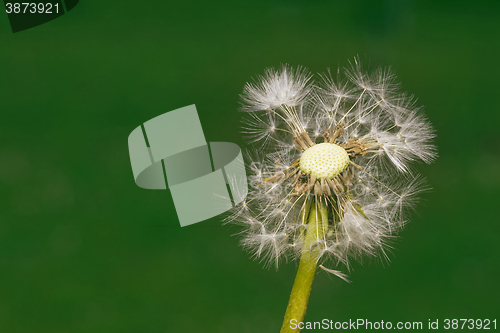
column 83, row 249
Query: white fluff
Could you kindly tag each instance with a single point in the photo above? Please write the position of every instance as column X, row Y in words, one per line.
column 285, row 102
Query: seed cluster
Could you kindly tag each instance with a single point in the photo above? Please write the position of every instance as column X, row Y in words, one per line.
column 331, row 150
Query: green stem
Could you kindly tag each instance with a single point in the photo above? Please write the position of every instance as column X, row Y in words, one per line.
column 299, row 298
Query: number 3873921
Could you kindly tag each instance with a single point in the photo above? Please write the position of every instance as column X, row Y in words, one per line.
column 32, row 8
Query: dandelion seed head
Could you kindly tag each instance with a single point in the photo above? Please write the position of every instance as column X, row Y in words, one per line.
column 340, row 148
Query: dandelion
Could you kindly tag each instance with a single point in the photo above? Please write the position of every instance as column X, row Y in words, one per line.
column 330, row 178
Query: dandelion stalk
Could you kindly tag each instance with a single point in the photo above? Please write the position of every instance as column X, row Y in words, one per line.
column 299, row 298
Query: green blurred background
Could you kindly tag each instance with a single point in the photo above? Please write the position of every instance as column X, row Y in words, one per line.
column 83, row 249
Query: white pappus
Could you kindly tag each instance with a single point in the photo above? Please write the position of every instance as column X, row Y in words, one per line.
column 337, row 148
